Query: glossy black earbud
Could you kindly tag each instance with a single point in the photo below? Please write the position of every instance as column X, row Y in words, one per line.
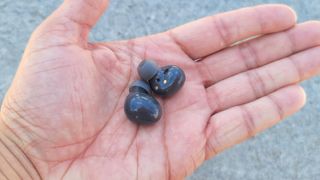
column 140, row 107
column 165, row 81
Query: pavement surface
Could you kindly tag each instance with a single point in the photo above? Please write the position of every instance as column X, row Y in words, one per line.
column 290, row 150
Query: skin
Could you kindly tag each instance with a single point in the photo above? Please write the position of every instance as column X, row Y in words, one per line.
column 63, row 115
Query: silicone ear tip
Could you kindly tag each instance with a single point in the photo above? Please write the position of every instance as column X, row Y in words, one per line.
column 147, row 69
column 141, row 84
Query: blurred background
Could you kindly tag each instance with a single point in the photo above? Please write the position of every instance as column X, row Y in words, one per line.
column 290, row 150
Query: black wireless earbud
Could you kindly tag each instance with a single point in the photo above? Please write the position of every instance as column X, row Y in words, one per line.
column 140, row 107
column 164, row 81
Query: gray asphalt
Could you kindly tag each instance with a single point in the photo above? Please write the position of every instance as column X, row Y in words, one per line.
column 290, row 150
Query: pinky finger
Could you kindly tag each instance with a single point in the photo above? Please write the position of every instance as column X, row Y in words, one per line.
column 234, row 125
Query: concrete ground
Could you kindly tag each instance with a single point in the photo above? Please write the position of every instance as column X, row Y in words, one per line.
column 288, row 151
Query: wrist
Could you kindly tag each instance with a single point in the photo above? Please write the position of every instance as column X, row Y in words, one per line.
column 15, row 164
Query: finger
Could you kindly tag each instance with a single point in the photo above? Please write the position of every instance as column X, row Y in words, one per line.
column 213, row 33
column 74, row 19
column 259, row 82
column 239, row 123
column 258, row 52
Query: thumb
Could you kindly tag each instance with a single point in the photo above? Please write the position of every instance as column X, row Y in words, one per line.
column 85, row 12
column 73, row 20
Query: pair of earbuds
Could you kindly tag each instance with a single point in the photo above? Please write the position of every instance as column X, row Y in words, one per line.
column 141, row 107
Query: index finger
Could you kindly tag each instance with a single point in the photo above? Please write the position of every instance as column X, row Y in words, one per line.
column 213, row 33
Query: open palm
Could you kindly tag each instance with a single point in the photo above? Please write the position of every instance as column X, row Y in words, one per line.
column 65, row 106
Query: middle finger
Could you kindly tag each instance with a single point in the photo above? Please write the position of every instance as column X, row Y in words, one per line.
column 258, row 52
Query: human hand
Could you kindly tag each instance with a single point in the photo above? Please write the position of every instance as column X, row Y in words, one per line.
column 64, row 110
